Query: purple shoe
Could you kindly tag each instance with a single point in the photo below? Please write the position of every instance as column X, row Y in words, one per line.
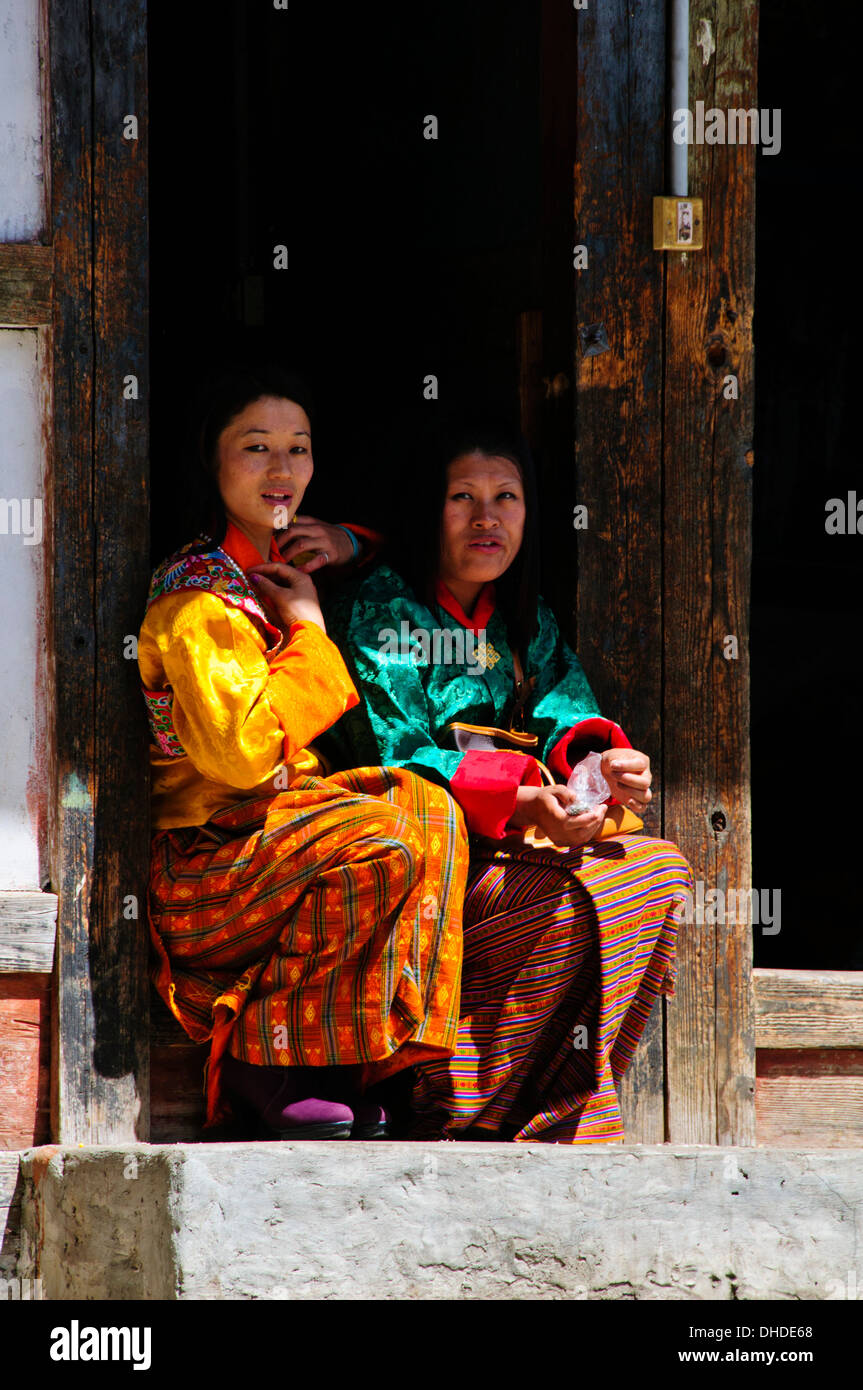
column 275, row 1096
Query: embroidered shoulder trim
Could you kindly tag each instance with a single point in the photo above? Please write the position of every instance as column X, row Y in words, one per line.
column 201, row 565
column 160, row 713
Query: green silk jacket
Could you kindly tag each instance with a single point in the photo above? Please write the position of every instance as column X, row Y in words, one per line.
column 418, row 669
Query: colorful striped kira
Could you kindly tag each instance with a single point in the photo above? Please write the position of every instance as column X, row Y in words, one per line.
column 565, row 954
column 320, row 926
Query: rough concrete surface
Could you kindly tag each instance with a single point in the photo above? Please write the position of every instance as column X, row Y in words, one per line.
column 97, row 1222
column 396, row 1220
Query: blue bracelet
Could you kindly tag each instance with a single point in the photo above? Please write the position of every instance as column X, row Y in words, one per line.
column 354, row 542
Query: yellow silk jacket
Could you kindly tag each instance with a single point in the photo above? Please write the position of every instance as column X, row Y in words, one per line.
column 238, row 710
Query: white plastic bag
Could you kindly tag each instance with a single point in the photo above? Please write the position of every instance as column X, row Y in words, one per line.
column 588, row 783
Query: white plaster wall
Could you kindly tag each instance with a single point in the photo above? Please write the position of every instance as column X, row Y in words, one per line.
column 22, row 199
column 22, row 779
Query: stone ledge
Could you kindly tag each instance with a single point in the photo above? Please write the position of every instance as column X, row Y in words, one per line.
column 432, row 1221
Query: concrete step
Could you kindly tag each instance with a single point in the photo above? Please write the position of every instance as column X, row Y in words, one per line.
column 347, row 1220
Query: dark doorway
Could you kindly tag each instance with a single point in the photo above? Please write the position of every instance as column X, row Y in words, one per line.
column 408, row 257
column 806, row 597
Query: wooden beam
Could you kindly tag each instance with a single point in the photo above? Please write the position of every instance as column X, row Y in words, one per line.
column 100, row 544
column 549, row 427
column 620, row 87
column 810, row 1099
column 28, row 928
column 26, row 279
column 529, row 346
column 121, row 474
column 71, row 641
column 798, row 1009
column 707, row 453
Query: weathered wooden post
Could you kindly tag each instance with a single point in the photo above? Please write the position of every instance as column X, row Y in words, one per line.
column 663, row 464
column 99, row 510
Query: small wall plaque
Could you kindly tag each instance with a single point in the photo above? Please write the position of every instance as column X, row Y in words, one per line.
column 678, row 224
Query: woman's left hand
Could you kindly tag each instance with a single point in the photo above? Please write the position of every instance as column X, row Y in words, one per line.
column 628, row 774
column 306, row 533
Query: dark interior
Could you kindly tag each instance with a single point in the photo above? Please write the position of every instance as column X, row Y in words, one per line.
column 805, row 583
column 406, row 257
column 410, row 257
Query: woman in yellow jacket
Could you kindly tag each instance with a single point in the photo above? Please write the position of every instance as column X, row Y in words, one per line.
column 307, row 925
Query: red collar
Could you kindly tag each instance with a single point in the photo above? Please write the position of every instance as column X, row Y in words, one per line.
column 483, row 608
column 241, row 549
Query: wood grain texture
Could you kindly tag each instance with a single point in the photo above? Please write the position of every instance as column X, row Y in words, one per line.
column 529, row 339
column 28, row 927
column 71, row 640
column 551, row 424
column 797, row 1009
column 26, row 280
column 25, row 1060
column 11, row 1190
column 165, row 1030
column 100, row 543
column 640, row 1091
column 177, row 1104
column 121, row 556
column 707, row 452
column 618, row 405
column 810, row 1099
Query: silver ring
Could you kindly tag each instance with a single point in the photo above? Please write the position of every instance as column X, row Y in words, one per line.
column 326, row 557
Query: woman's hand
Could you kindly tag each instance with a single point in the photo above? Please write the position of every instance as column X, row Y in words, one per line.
column 628, row 774
column 289, row 594
column 307, row 533
column 545, row 807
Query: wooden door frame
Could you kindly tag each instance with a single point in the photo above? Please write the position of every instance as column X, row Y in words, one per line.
column 662, row 461
column 99, row 509
column 660, row 480
column 664, row 464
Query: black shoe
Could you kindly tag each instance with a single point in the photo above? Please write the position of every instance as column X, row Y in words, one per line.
column 371, row 1121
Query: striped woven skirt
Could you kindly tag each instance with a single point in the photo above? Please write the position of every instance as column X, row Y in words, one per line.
column 564, row 956
column 320, row 926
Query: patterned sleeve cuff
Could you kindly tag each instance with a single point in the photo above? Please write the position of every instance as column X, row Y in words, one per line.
column 592, row 735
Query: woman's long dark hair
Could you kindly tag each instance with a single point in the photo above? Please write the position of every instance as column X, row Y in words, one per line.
column 224, row 394
column 415, row 526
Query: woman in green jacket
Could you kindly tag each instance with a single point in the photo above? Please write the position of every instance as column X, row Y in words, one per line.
column 569, row 915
